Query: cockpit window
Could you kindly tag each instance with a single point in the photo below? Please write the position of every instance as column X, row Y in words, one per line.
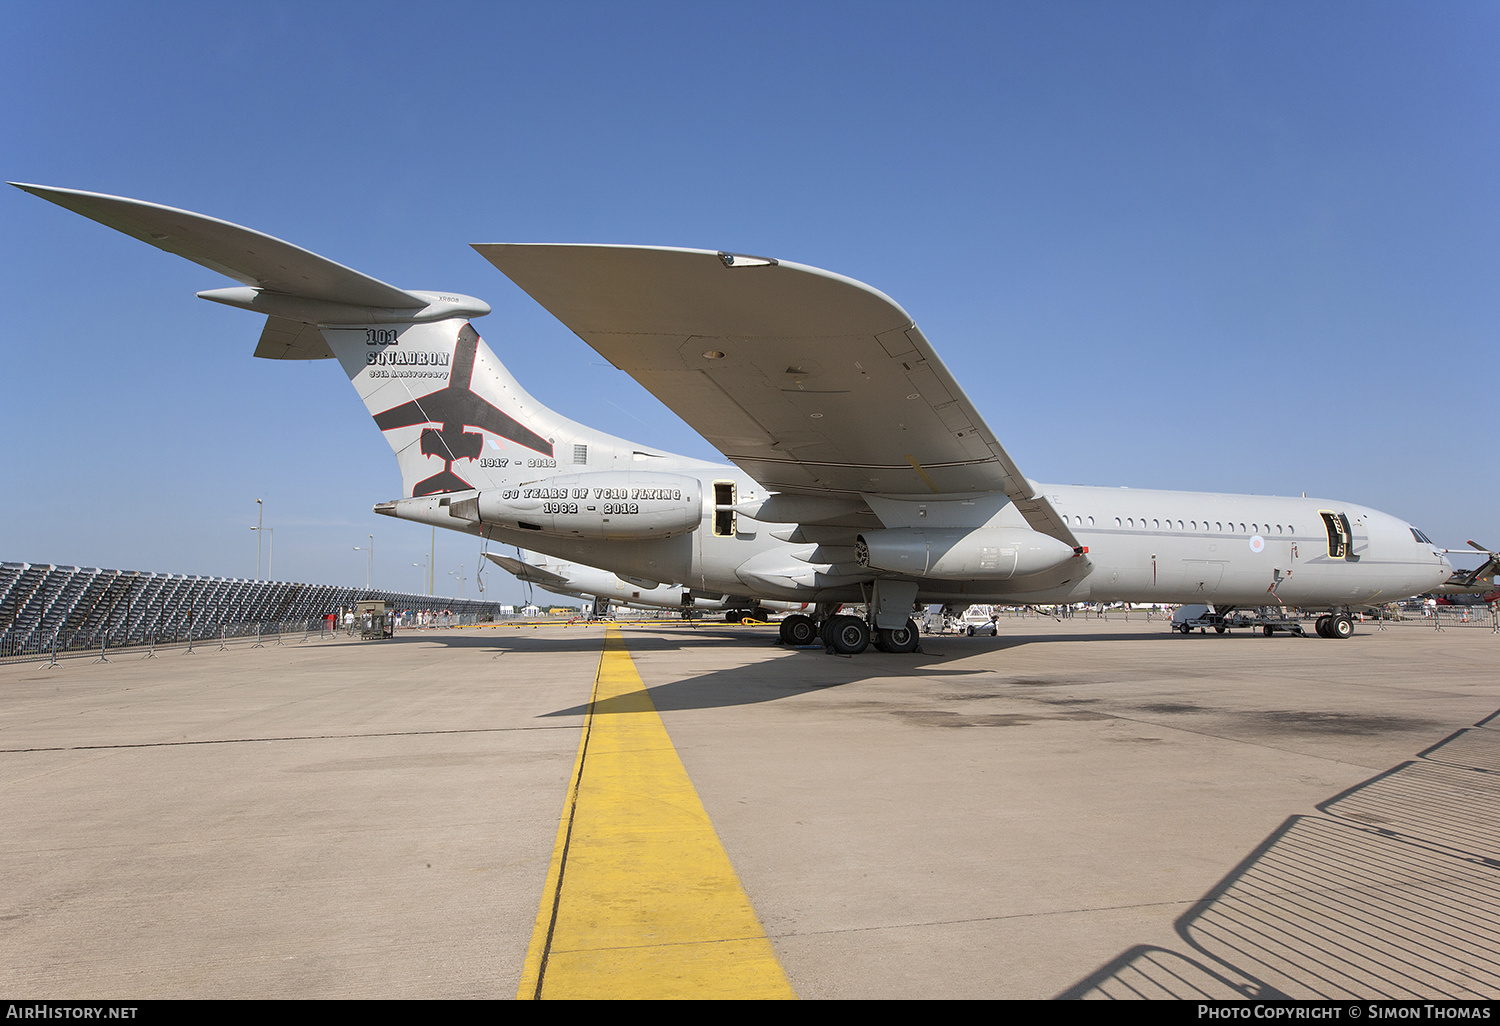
column 1419, row 536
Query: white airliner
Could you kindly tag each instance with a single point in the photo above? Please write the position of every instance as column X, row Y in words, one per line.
column 862, row 473
column 566, row 577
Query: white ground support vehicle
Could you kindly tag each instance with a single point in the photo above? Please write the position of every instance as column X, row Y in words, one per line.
column 1205, row 618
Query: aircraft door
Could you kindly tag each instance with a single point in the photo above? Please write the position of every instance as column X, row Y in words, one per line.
column 1201, row 577
column 724, row 519
column 1359, row 539
column 1341, row 540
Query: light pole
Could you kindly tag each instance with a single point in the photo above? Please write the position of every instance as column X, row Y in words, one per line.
column 260, row 509
column 369, row 559
column 426, row 567
column 270, row 549
column 463, row 591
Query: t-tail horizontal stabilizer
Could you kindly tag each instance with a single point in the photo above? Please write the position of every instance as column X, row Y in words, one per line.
column 294, row 287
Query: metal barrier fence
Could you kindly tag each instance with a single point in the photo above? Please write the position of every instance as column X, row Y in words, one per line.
column 46, row 608
column 58, row 644
column 1443, row 617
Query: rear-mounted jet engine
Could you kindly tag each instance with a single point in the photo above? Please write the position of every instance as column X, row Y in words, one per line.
column 613, row 505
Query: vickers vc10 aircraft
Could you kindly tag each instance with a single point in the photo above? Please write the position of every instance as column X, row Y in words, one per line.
column 861, row 471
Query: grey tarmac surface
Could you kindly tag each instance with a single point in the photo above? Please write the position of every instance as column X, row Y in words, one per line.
column 1081, row 808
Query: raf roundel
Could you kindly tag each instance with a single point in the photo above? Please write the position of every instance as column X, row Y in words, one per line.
column 1257, row 543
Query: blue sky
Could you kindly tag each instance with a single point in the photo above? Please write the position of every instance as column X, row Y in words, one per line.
column 1229, row 246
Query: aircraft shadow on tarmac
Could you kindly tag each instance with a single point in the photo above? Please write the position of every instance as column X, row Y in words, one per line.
column 787, row 673
column 792, row 671
column 798, row 671
column 1392, row 893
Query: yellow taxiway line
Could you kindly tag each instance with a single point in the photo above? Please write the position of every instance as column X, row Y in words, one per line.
column 641, row 900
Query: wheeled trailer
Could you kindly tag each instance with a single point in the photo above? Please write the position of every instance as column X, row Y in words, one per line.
column 1202, row 619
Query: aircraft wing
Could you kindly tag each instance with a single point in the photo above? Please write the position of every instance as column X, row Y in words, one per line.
column 810, row 382
column 524, row 571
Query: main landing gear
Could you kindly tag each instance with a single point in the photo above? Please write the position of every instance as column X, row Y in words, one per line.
column 798, row 630
column 847, row 635
column 898, row 639
column 1335, row 625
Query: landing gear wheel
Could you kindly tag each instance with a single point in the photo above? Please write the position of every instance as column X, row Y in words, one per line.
column 848, row 635
column 1322, row 626
column 899, row 639
column 827, row 627
column 1341, row 626
column 798, row 630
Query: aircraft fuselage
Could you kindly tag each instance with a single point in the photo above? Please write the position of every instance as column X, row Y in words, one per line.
column 1142, row 546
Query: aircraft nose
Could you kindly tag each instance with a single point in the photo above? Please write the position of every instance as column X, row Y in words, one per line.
column 1444, row 568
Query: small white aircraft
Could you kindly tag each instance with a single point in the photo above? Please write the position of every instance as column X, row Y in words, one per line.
column 862, row 473
column 565, row 577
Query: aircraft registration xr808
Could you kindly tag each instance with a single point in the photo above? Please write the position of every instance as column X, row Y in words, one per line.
column 861, row 473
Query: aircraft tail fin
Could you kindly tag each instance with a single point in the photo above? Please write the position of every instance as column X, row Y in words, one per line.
column 454, row 416
column 450, row 410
